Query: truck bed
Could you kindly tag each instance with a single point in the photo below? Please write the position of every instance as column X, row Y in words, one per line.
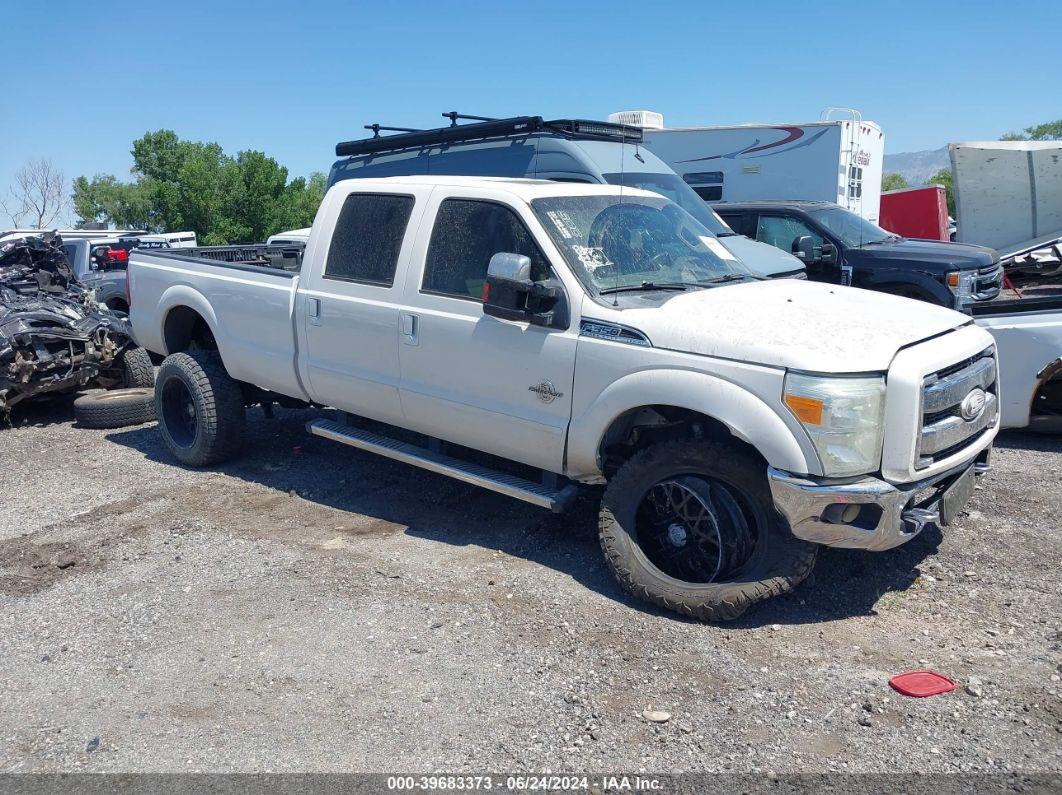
column 245, row 294
column 251, row 255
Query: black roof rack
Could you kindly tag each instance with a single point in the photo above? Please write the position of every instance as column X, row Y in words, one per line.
column 581, row 129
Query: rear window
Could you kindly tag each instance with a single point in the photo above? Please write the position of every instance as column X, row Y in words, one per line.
column 368, row 238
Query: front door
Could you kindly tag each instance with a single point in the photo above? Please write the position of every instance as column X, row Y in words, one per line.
column 783, row 231
column 503, row 387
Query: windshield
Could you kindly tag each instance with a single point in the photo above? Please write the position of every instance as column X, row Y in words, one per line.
column 672, row 187
column 852, row 229
column 616, row 243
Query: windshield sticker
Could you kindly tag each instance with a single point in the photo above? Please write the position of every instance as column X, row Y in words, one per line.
column 564, row 223
column 717, row 248
column 591, row 257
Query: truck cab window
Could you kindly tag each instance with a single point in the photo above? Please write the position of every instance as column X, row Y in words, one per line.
column 467, row 234
column 782, row 232
column 368, row 238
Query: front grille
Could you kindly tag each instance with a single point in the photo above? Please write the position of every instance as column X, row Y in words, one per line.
column 988, row 282
column 945, row 429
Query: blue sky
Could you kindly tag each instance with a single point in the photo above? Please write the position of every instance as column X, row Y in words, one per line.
column 79, row 81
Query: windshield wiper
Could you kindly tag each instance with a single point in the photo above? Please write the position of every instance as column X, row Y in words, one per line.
column 633, row 288
column 730, row 277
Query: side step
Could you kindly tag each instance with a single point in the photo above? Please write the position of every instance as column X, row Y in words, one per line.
column 511, row 485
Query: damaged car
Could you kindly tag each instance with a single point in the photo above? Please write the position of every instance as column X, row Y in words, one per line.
column 55, row 337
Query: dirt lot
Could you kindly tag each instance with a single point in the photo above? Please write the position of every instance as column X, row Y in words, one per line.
column 311, row 607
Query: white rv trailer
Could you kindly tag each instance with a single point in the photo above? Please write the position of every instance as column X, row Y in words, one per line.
column 834, row 159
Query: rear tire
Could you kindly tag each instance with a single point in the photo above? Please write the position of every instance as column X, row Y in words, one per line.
column 200, row 408
column 724, row 487
column 116, row 408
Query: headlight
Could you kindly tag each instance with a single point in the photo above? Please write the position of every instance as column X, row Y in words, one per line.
column 961, row 283
column 844, row 416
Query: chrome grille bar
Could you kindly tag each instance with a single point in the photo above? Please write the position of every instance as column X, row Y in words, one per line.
column 951, row 389
column 952, row 430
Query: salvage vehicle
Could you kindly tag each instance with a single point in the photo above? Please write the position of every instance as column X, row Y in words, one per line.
column 535, row 337
column 1028, row 334
column 839, row 247
column 56, row 337
column 564, row 150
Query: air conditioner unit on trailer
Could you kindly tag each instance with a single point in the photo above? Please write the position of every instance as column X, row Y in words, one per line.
column 646, row 119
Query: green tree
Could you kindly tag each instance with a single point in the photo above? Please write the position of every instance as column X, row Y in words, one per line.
column 893, row 181
column 944, row 178
column 298, row 204
column 1048, row 131
column 192, row 185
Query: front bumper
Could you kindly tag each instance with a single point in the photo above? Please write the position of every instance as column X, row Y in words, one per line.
column 869, row 513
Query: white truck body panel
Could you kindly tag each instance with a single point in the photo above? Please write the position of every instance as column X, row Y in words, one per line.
column 438, row 364
column 1029, row 345
column 1008, row 194
column 835, row 161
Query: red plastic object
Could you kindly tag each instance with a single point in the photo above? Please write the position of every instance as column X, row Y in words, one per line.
column 916, row 212
column 920, row 684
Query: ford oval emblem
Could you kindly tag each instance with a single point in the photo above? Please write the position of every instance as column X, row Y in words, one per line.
column 973, row 404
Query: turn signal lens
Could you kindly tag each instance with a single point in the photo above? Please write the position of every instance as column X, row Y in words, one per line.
column 953, row 279
column 807, row 410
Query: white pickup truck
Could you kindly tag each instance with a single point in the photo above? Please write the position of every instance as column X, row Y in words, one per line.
column 533, row 337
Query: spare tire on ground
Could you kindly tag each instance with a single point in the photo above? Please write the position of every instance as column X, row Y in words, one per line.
column 115, row 408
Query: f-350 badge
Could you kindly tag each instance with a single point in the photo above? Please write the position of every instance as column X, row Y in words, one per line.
column 546, row 392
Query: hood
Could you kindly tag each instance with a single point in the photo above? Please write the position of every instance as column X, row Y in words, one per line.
column 787, row 323
column 760, row 258
column 931, row 255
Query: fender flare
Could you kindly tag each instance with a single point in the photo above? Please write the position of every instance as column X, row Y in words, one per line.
column 181, row 295
column 747, row 417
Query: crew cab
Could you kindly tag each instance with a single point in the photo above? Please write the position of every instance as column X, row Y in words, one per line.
column 536, row 338
column 840, row 247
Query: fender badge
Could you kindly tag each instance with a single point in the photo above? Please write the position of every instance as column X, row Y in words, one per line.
column 546, row 392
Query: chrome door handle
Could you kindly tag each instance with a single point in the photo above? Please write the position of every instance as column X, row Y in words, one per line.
column 409, row 327
column 313, row 310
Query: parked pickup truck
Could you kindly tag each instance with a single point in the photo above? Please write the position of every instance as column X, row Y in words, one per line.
column 534, row 337
column 840, row 247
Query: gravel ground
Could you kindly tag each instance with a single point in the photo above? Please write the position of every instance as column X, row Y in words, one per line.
column 312, row 607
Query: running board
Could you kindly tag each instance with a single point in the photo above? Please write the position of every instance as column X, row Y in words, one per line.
column 510, row 485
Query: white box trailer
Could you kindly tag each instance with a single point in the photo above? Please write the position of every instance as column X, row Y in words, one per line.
column 1008, row 194
column 835, row 160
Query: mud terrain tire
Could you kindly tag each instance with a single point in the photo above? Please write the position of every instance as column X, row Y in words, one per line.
column 200, row 409
column 115, row 408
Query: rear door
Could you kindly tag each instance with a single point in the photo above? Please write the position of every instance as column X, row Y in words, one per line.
column 500, row 386
column 348, row 309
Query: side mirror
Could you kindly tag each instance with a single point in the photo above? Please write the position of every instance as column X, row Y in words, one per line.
column 98, row 258
column 829, row 253
column 504, row 267
column 804, row 250
column 510, row 294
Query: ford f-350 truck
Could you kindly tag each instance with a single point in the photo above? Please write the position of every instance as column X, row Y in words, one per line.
column 534, row 337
